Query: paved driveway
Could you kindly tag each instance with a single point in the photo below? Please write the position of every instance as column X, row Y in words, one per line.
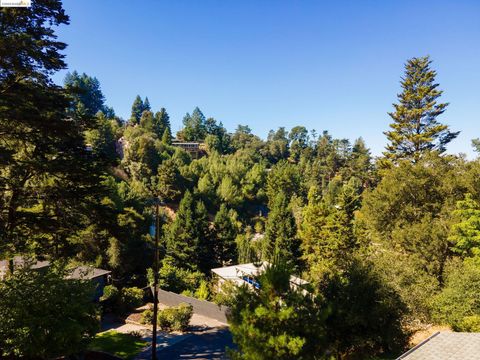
column 208, row 345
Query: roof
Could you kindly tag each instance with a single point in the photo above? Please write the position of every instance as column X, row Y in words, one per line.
column 236, row 273
column 20, row 261
column 446, row 345
column 87, row 273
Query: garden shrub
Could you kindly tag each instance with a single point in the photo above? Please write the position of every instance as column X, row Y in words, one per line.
column 470, row 323
column 203, row 292
column 147, row 317
column 175, row 318
column 130, row 298
column 458, row 304
column 110, row 294
column 110, row 299
column 177, row 280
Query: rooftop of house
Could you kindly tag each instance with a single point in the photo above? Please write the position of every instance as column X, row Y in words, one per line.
column 242, row 273
column 446, row 345
column 20, row 261
column 80, row 272
column 87, row 273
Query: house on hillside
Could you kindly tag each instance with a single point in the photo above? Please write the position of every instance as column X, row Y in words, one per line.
column 99, row 277
column 446, row 345
column 18, row 262
column 246, row 274
column 196, row 149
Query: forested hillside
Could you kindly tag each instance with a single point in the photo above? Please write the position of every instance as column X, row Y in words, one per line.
column 388, row 244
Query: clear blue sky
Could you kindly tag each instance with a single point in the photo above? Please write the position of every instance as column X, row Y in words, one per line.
column 327, row 65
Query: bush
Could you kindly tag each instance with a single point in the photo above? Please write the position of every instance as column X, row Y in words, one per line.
column 110, row 294
column 175, row 318
column 203, row 292
column 177, row 280
column 458, row 304
column 130, row 298
column 470, row 323
column 147, row 317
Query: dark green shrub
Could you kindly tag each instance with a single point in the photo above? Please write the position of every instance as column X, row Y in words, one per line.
column 458, row 304
column 110, row 294
column 175, row 279
column 130, row 298
column 175, row 318
column 147, row 317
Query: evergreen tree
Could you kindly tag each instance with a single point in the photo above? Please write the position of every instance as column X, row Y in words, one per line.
column 327, row 238
column 102, row 139
column 87, row 96
column 194, row 126
column 206, row 247
column 187, row 235
column 161, row 123
column 48, row 177
column 167, row 136
column 465, row 234
column 298, row 137
column 277, row 321
column 415, row 128
column 44, row 315
column 225, row 235
column 147, row 120
column 281, row 232
column 146, row 105
column 137, row 110
column 167, row 181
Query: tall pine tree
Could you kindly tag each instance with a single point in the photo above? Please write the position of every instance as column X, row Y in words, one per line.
column 281, row 233
column 137, row 110
column 47, row 176
column 188, row 240
column 225, row 235
column 415, row 128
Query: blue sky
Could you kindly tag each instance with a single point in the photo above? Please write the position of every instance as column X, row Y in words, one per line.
column 327, row 65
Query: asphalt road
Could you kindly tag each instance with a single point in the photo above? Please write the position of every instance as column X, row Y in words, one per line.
column 205, row 346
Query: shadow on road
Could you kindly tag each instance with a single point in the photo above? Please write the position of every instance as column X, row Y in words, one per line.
column 204, row 346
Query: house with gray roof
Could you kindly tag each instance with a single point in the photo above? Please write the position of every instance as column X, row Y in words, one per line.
column 446, row 345
column 99, row 277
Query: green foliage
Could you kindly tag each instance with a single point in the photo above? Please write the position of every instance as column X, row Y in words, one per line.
column 45, row 316
column 328, row 241
column 203, row 291
column 175, row 318
column 138, row 107
column 284, row 177
column 189, row 240
column 194, row 126
column 354, row 333
column 458, row 304
column 281, row 240
column 465, row 234
column 48, row 178
column 130, row 298
column 177, row 279
column 87, row 97
column 269, row 322
column 110, row 294
column 225, row 231
column 102, row 138
column 147, row 317
column 415, row 129
column 410, row 209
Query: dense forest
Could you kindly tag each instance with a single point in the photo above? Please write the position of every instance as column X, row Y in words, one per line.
column 388, row 244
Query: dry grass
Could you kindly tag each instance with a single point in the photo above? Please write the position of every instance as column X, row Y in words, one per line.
column 425, row 332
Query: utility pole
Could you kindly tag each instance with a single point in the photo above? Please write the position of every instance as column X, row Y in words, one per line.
column 155, row 282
